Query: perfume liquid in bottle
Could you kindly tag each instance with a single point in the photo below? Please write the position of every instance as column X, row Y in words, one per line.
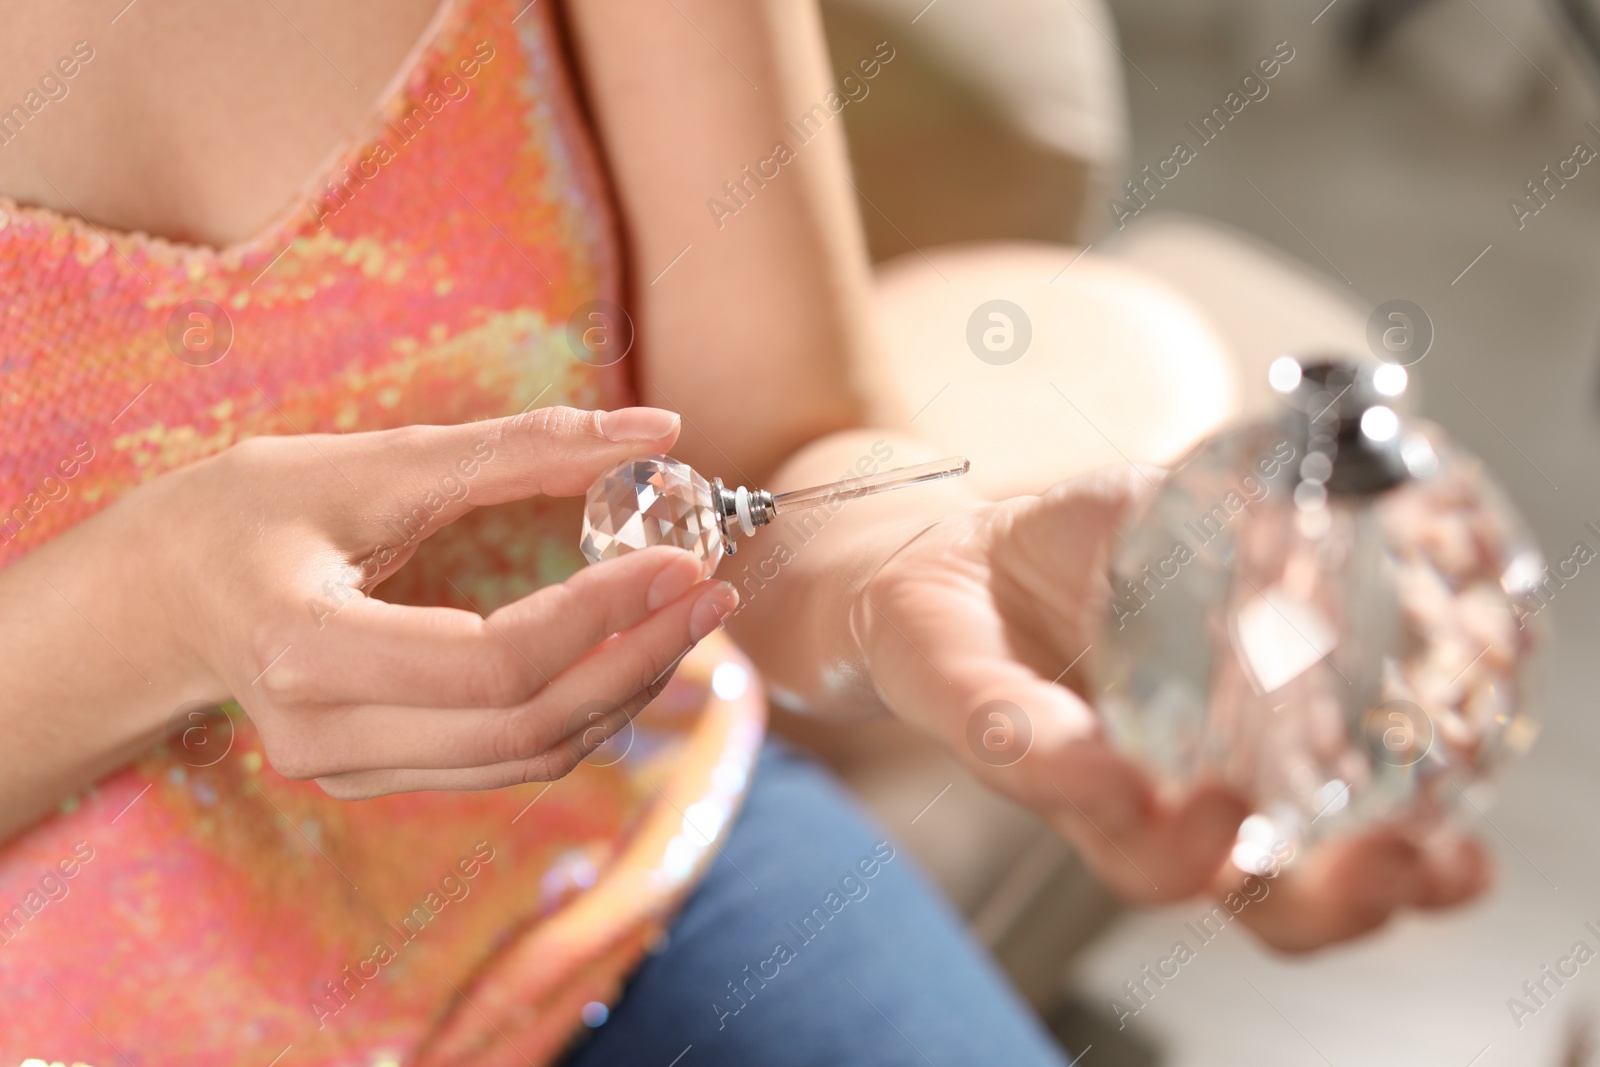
column 1327, row 611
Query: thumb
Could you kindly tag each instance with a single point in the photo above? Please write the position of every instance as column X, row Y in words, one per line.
column 554, row 451
column 561, row 451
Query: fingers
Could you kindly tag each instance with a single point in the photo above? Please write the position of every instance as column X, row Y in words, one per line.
column 1345, row 888
column 1455, row 868
column 1145, row 847
column 1350, row 886
column 1062, row 541
column 431, row 475
column 624, row 671
column 1042, row 745
column 592, row 730
column 1085, row 512
column 367, row 651
column 560, row 451
column 1098, row 500
column 1142, row 845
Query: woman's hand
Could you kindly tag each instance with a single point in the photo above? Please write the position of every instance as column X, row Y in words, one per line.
column 247, row 574
column 968, row 629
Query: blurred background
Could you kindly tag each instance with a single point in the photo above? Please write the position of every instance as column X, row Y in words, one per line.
column 1380, row 164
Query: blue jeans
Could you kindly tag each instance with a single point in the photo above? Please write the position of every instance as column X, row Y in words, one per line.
column 815, row 941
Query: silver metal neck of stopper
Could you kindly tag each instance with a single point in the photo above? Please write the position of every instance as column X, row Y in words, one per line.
column 739, row 511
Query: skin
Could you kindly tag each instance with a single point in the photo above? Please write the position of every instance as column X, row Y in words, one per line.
column 202, row 121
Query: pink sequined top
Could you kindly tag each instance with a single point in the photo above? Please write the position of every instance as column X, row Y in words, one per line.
column 197, row 908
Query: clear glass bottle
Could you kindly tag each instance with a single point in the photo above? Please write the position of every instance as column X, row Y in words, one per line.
column 1327, row 610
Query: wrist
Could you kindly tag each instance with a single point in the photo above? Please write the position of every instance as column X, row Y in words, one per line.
column 806, row 619
column 140, row 560
column 89, row 658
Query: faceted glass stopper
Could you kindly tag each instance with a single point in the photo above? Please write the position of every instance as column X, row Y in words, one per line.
column 655, row 500
column 1339, row 658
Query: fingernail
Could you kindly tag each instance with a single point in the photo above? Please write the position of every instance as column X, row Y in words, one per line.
column 673, row 580
column 638, row 424
column 711, row 610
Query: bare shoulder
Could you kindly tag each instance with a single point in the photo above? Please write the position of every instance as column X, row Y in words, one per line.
column 188, row 118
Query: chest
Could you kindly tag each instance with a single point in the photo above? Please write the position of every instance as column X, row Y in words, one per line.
column 427, row 269
column 190, row 119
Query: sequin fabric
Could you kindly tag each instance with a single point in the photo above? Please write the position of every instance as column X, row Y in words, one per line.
column 197, row 908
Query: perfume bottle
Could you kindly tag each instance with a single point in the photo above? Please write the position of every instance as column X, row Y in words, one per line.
column 1330, row 611
column 658, row 500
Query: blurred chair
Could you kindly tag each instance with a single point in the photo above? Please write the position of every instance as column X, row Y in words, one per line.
column 1023, row 96
column 983, row 158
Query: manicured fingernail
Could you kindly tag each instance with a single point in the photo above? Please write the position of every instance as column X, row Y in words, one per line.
column 673, row 580
column 638, row 424
column 713, row 607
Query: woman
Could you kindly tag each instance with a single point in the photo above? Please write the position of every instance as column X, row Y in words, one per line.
column 237, row 400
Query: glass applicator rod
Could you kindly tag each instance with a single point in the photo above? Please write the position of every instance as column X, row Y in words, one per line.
column 740, row 511
column 853, row 488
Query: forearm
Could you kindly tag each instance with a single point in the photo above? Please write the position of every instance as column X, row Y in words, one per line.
column 89, row 679
column 757, row 328
column 801, row 578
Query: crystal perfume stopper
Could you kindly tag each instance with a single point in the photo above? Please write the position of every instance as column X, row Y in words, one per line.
column 658, row 500
column 654, row 500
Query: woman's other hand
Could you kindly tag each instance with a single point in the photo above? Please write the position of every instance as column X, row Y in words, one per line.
column 970, row 628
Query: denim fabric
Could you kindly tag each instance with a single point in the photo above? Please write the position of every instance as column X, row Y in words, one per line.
column 815, row 941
